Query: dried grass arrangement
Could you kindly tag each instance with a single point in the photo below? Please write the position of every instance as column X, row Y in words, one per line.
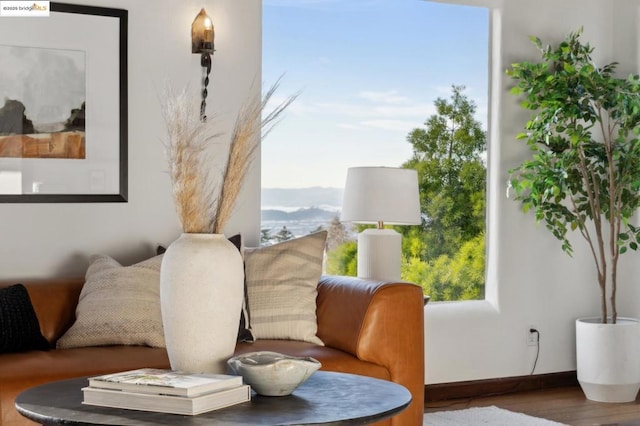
column 205, row 199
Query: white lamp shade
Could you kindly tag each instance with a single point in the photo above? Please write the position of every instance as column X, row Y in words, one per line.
column 381, row 194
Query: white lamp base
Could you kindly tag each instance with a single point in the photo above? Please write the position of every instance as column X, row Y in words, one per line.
column 379, row 254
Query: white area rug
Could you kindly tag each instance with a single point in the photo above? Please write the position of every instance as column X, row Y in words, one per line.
column 490, row 416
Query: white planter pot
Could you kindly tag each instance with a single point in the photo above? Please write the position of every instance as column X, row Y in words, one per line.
column 201, row 293
column 608, row 359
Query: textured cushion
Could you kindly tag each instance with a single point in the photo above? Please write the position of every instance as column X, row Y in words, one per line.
column 282, row 282
column 19, row 326
column 119, row 305
column 244, row 329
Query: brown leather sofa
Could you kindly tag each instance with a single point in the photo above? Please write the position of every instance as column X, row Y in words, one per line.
column 369, row 328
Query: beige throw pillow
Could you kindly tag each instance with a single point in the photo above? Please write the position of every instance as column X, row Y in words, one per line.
column 282, row 282
column 119, row 305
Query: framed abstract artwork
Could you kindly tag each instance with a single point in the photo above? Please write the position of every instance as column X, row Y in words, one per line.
column 63, row 106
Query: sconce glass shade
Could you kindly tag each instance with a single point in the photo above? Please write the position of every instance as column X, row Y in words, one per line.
column 381, row 194
column 202, row 33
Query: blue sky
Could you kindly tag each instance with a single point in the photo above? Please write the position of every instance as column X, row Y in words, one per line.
column 368, row 72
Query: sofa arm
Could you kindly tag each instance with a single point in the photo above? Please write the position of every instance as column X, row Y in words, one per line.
column 55, row 303
column 378, row 322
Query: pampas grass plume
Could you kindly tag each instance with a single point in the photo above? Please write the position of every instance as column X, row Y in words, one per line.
column 205, row 206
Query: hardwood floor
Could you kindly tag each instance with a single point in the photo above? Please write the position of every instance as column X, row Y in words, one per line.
column 565, row 405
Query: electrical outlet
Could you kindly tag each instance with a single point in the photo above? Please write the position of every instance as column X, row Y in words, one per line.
column 532, row 336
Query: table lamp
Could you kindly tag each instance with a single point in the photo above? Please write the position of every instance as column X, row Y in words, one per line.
column 381, row 195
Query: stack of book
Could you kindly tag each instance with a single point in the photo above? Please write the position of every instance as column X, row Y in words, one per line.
column 166, row 391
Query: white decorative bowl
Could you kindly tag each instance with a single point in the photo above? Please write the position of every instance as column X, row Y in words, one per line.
column 272, row 373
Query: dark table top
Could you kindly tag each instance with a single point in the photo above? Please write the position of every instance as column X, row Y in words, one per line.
column 327, row 398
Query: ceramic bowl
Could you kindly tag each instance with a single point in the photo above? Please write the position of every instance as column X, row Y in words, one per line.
column 272, row 373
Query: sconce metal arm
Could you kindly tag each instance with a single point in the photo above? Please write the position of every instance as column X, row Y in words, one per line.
column 205, row 61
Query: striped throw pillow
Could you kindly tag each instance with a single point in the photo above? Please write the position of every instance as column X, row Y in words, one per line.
column 282, row 281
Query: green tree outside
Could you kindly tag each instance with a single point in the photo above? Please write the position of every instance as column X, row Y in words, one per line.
column 446, row 254
column 460, row 277
column 447, row 153
column 343, row 260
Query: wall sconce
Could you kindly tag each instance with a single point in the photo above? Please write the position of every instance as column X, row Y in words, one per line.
column 202, row 38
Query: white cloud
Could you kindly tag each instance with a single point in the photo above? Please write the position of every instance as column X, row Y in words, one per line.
column 366, row 105
column 349, row 126
column 343, row 108
column 387, row 110
column 298, row 106
column 417, row 110
column 470, row 91
column 392, row 125
column 442, row 90
column 390, row 96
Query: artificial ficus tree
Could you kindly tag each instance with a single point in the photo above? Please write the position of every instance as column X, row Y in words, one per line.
column 584, row 171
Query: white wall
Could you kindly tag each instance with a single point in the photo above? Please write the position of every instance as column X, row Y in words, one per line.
column 530, row 280
column 45, row 240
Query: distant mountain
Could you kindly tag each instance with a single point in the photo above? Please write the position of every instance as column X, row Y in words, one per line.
column 302, row 197
column 312, row 213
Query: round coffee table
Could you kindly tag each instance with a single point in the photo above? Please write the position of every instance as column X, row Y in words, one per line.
column 327, row 398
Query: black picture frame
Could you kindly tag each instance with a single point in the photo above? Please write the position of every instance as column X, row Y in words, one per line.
column 120, row 17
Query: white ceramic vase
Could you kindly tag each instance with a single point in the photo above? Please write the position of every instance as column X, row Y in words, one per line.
column 201, row 293
column 607, row 359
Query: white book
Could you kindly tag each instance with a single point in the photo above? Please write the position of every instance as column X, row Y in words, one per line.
column 166, row 382
column 167, row 403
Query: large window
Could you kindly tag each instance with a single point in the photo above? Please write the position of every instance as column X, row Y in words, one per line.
column 398, row 83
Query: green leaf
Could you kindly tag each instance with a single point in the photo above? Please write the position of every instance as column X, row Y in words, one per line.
column 535, row 40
